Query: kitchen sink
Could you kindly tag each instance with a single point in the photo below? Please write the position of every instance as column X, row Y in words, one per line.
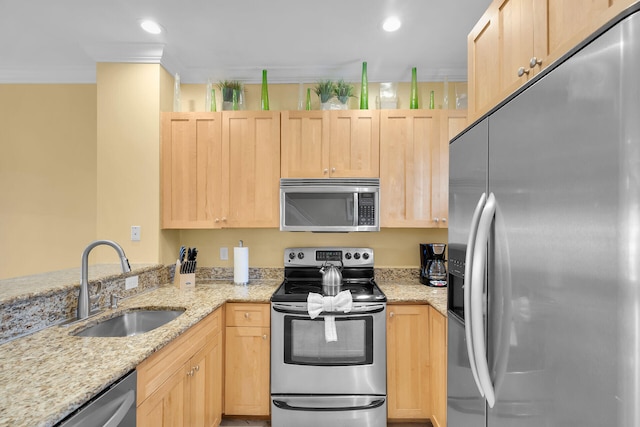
column 131, row 323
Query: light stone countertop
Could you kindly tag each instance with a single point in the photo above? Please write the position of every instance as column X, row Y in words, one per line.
column 47, row 375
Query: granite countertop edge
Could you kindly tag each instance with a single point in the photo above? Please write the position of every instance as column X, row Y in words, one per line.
column 47, row 375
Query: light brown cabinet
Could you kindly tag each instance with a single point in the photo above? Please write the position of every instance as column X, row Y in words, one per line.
column 190, row 166
column 247, row 360
column 438, row 355
column 330, row 144
column 414, row 166
column 408, row 362
column 220, row 170
column 515, row 39
column 181, row 385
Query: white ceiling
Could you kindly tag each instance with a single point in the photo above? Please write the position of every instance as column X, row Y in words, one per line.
column 59, row 41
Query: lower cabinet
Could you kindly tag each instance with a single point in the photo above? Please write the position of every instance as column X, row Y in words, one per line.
column 181, row 385
column 416, row 363
column 408, row 385
column 247, row 359
column 438, row 353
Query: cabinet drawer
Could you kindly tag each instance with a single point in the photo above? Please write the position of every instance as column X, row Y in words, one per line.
column 240, row 314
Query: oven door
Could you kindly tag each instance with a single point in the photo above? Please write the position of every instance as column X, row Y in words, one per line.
column 302, row 362
column 323, row 411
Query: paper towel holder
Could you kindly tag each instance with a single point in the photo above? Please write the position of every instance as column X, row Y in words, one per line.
column 241, row 264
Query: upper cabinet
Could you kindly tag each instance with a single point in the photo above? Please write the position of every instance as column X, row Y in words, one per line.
column 220, row 170
column 190, row 170
column 515, row 39
column 414, row 166
column 331, row 144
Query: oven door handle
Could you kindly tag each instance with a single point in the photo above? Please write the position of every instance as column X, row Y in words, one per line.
column 372, row 310
column 284, row 405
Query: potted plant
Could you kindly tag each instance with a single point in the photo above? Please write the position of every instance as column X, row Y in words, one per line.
column 343, row 91
column 227, row 88
column 324, row 89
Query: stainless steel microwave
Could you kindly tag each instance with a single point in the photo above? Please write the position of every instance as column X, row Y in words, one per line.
column 335, row 205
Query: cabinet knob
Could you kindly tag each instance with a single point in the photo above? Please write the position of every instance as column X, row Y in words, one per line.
column 325, row 171
column 444, row 219
column 190, row 373
column 522, row 71
column 196, row 368
column 436, row 220
column 534, row 61
column 264, row 337
column 391, row 314
column 247, row 315
column 224, row 219
column 333, row 169
column 217, row 220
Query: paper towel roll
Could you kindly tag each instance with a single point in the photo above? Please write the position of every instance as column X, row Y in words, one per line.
column 241, row 265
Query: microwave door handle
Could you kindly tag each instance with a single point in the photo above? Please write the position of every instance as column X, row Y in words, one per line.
column 353, row 207
column 468, row 285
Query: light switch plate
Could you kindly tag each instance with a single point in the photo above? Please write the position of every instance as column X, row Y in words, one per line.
column 131, row 282
column 135, row 233
column 224, row 254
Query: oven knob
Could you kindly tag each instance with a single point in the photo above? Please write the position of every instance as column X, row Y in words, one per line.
column 292, row 255
column 365, row 255
column 347, row 255
column 300, row 255
column 356, row 255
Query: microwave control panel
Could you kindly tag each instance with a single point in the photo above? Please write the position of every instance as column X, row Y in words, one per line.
column 366, row 209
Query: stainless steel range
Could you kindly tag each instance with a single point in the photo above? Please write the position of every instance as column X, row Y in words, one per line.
column 328, row 349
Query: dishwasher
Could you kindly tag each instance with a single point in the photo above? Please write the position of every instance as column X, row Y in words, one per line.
column 114, row 407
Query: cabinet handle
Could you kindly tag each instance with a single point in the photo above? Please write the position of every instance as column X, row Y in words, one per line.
column 534, row 61
column 522, row 71
column 264, row 337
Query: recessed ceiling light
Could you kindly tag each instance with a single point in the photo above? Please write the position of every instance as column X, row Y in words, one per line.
column 151, row 27
column 392, row 23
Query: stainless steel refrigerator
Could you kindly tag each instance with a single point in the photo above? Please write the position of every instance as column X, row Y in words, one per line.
column 545, row 206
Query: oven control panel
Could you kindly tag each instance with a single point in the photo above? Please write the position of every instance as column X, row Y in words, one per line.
column 319, row 256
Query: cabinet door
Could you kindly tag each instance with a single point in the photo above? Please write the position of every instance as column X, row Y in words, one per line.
column 251, row 171
column 570, row 18
column 205, row 392
column 483, row 55
column 190, row 169
column 408, row 374
column 354, row 144
column 247, row 368
column 438, row 349
column 305, row 144
column 166, row 407
column 410, row 148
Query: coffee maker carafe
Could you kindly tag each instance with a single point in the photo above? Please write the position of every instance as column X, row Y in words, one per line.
column 433, row 271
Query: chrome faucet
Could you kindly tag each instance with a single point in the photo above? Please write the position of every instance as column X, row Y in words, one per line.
column 84, row 307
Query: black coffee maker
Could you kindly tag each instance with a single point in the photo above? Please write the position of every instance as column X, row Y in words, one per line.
column 433, row 271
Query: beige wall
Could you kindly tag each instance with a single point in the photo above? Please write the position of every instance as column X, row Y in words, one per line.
column 81, row 162
column 47, row 176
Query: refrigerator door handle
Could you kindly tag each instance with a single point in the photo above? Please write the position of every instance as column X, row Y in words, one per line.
column 479, row 274
column 468, row 285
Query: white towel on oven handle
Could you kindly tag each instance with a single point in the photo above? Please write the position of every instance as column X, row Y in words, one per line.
column 317, row 303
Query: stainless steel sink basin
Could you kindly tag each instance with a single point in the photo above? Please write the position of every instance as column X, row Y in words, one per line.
column 131, row 323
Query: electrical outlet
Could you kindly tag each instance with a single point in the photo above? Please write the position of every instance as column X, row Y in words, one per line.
column 131, row 282
column 135, row 233
column 224, row 254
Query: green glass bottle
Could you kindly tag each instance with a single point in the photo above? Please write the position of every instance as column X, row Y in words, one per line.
column 364, row 89
column 413, row 100
column 432, row 103
column 308, row 100
column 235, row 100
column 213, row 100
column 265, row 92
